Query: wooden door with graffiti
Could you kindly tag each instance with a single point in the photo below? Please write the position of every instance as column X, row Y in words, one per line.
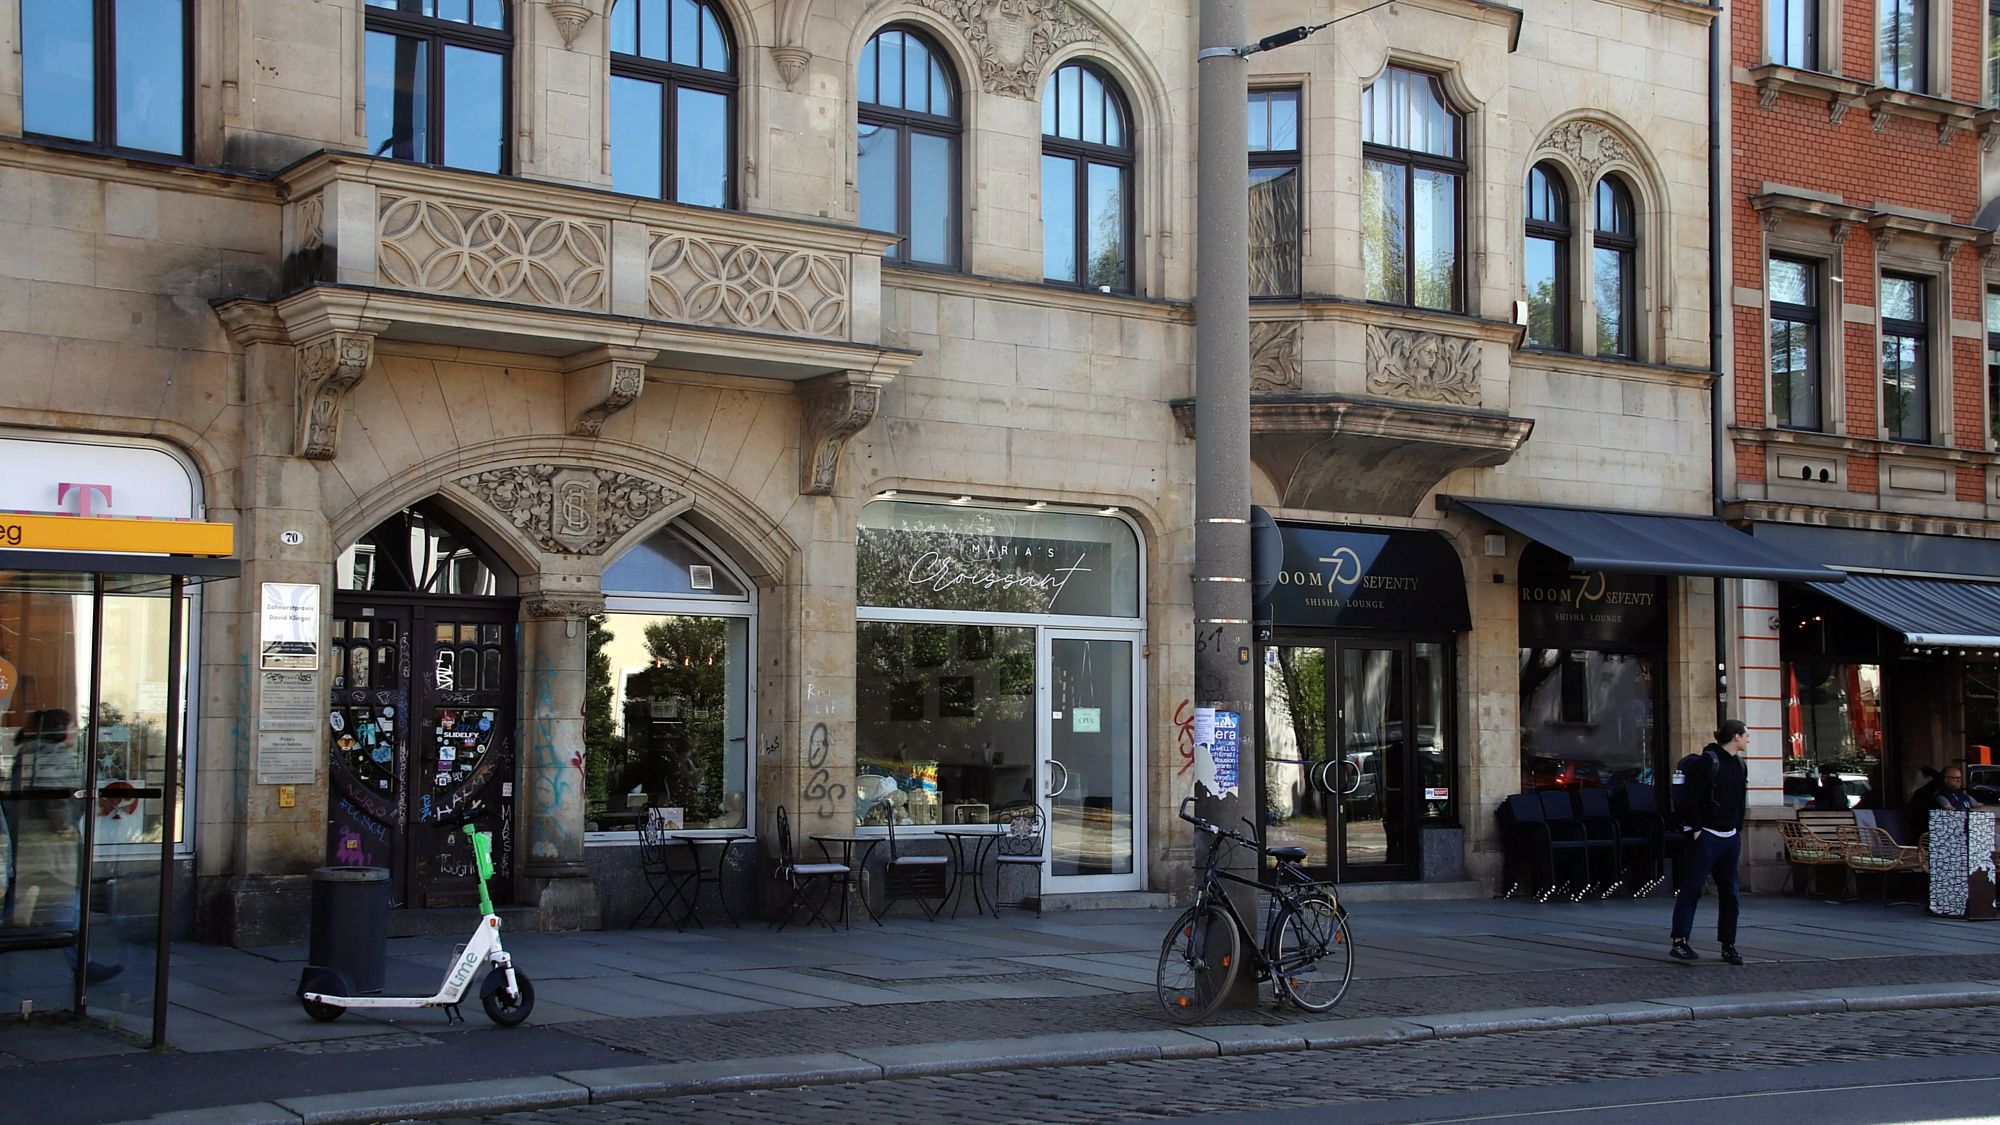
column 422, row 742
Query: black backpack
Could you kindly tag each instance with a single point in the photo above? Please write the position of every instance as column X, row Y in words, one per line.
column 1684, row 796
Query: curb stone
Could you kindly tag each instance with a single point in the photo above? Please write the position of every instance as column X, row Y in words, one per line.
column 1079, row 1049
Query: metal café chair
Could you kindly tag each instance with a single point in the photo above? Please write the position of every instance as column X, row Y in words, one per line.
column 668, row 883
column 921, row 878
column 1019, row 847
column 802, row 875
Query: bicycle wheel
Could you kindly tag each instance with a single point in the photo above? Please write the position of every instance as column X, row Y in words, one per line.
column 1312, row 953
column 1197, row 963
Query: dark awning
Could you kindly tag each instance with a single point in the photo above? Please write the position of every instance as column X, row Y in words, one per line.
column 1640, row 543
column 1926, row 611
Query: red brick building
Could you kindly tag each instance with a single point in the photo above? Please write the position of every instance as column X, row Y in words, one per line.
column 1859, row 413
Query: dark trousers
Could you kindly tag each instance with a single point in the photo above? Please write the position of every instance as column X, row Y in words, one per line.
column 1709, row 856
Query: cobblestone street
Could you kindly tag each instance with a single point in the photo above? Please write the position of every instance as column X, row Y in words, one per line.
column 1155, row 1090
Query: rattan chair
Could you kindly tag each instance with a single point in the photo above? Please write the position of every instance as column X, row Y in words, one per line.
column 1872, row 851
column 1807, row 850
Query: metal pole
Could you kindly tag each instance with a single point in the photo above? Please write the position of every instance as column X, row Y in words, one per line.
column 170, row 783
column 1222, row 666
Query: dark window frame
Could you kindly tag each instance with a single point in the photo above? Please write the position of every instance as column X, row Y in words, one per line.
column 1989, row 46
column 1888, row 48
column 1808, row 316
column 1293, row 159
column 1083, row 154
column 1992, row 370
column 907, row 122
column 672, row 77
column 439, row 33
column 1626, row 244
column 104, row 86
column 1805, row 12
column 1562, row 232
column 1920, row 332
column 1412, row 161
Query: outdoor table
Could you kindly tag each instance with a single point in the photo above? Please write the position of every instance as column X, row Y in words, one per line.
column 703, row 876
column 956, row 839
column 847, row 843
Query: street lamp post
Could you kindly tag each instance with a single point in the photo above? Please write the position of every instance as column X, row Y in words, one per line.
column 1224, row 640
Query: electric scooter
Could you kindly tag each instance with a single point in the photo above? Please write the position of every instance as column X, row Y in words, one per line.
column 506, row 994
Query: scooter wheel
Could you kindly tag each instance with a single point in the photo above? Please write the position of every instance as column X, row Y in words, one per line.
column 505, row 1010
column 323, row 981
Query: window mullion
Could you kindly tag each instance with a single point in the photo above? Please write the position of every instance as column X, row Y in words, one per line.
column 104, row 52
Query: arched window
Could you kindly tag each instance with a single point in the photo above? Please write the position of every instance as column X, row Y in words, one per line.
column 673, row 102
column 436, row 82
column 908, row 139
column 113, row 74
column 1413, row 172
column 1546, row 258
column 1086, row 181
column 667, row 691
column 1615, row 244
column 422, row 550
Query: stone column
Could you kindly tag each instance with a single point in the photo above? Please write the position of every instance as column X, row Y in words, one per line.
column 548, row 805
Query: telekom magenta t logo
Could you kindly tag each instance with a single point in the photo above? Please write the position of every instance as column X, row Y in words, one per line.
column 85, row 494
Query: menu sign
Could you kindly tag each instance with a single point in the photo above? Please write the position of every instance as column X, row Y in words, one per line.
column 1348, row 578
column 1565, row 609
column 932, row 556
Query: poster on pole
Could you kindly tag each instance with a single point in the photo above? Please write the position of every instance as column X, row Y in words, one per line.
column 290, row 627
column 1217, row 749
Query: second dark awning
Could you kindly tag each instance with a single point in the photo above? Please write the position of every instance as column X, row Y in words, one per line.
column 1643, row 543
column 1926, row 611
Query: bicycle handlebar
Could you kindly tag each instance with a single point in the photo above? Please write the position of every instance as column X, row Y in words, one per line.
column 1214, row 829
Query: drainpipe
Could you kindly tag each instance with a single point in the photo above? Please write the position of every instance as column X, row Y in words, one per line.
column 1717, row 301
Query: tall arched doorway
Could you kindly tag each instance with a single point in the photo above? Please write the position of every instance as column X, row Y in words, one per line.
column 423, row 695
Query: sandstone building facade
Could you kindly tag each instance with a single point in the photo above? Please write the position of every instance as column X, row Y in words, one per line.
column 717, row 407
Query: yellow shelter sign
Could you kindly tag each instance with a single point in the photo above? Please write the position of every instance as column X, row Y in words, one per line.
column 44, row 532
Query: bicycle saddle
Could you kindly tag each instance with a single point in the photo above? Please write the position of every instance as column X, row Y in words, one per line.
column 1289, row 855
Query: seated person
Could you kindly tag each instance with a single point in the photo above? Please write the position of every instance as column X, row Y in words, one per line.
column 1953, row 795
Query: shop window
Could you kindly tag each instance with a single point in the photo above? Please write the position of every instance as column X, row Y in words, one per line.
column 1086, row 181
column 1615, row 249
column 673, row 102
column 422, row 550
column 1546, row 258
column 667, row 690
column 436, row 82
column 908, row 144
column 1982, row 730
column 1903, row 44
column 1906, row 378
column 1274, row 193
column 1413, row 172
column 1791, row 33
column 1794, row 335
column 107, row 72
column 1833, row 729
column 1588, row 718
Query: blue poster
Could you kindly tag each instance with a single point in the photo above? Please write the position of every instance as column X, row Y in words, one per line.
column 1225, row 750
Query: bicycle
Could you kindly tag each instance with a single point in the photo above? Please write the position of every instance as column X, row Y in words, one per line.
column 1308, row 951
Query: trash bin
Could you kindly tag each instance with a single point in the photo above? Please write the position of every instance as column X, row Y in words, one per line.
column 350, row 924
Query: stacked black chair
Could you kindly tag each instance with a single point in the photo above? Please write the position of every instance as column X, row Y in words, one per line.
column 1638, row 842
column 1639, row 808
column 1527, row 856
column 1596, row 856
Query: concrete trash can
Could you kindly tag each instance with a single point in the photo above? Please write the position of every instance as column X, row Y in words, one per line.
column 350, row 924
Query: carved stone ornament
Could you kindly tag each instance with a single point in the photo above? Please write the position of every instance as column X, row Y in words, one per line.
column 832, row 416
column 440, row 245
column 1014, row 39
column 569, row 18
column 554, row 606
column 569, row 510
column 606, row 381
column 1274, row 358
column 1423, row 365
column 791, row 63
column 1589, row 146
column 698, row 279
column 328, row 367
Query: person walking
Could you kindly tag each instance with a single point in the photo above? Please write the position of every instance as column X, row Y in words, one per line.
column 1709, row 790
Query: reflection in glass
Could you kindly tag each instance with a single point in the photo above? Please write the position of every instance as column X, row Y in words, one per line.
column 152, row 81
column 1906, row 404
column 1058, row 218
column 1587, row 718
column 701, row 148
column 1833, row 723
column 933, row 200
column 1373, row 755
column 59, row 67
column 1274, row 231
column 395, row 76
column 420, row 549
column 1903, row 27
column 1539, row 257
column 944, row 715
column 1789, row 32
column 1430, row 682
column 1435, row 238
column 1294, row 746
column 665, row 719
column 1105, row 200
column 877, row 179
column 1610, row 274
column 1384, row 231
column 474, row 90
column 1090, row 738
column 636, row 136
column 1794, row 343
